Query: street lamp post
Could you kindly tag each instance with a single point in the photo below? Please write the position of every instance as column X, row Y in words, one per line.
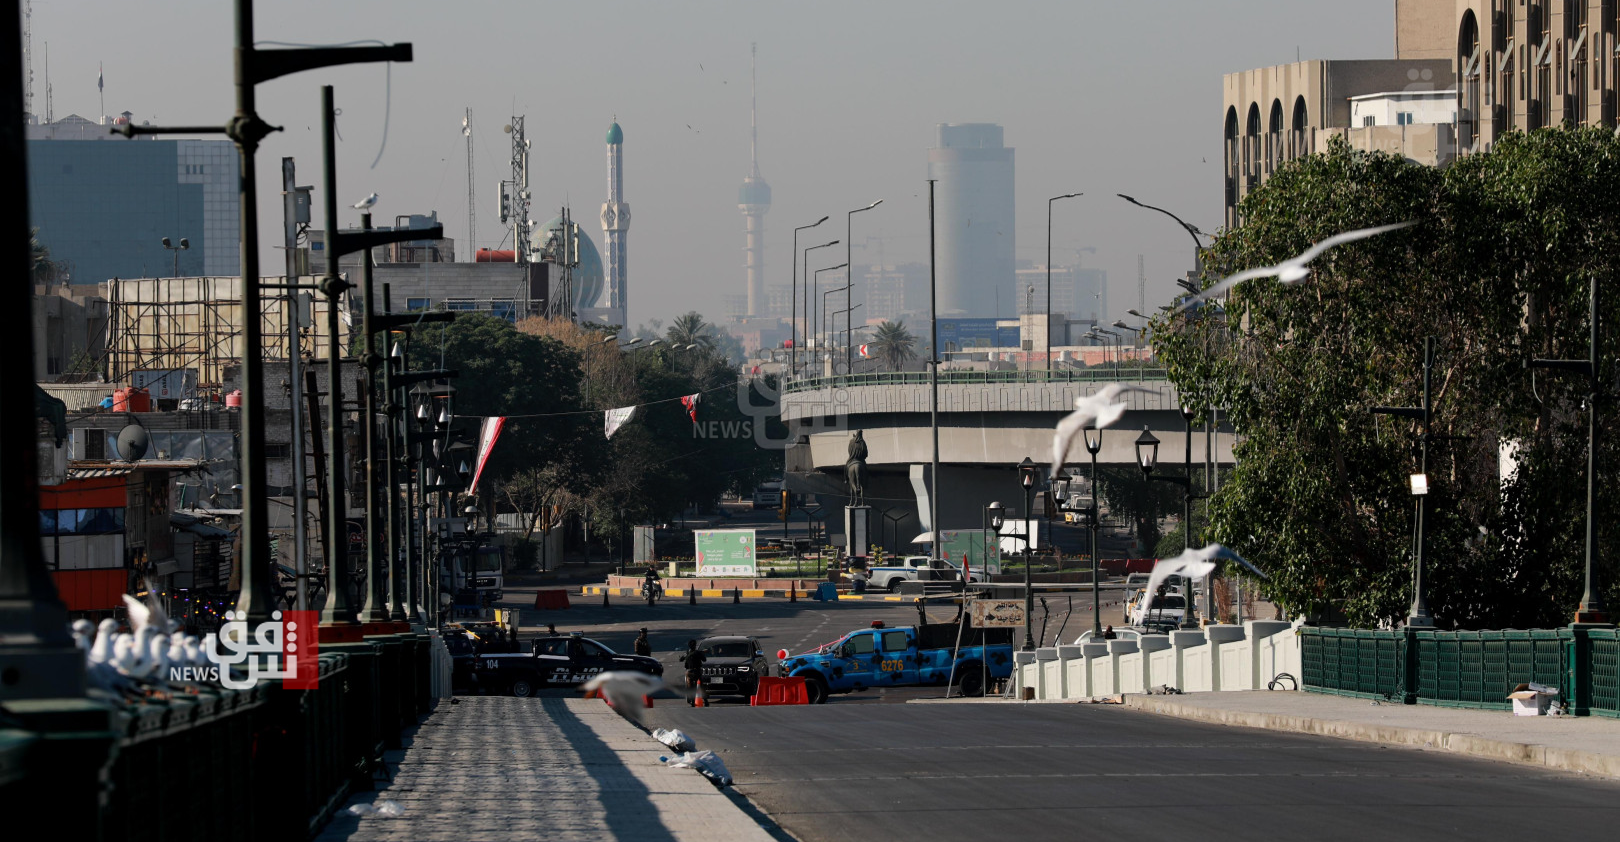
column 1147, row 456
column 175, row 250
column 1028, row 474
column 849, row 258
column 1093, row 445
column 1192, row 230
column 1591, row 609
column 793, row 319
column 820, row 309
column 1047, row 343
column 809, row 313
column 1419, row 617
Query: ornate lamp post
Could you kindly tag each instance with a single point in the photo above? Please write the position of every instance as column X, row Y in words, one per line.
column 1093, row 445
column 1028, row 475
column 1147, row 456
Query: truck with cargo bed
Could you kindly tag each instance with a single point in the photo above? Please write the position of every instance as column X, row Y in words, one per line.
column 935, row 654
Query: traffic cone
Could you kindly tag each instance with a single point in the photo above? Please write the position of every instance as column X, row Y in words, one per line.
column 793, row 592
column 691, row 596
column 736, row 595
column 647, row 700
column 700, row 702
column 605, row 603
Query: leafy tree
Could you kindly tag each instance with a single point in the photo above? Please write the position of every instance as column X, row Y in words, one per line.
column 1497, row 272
column 894, row 344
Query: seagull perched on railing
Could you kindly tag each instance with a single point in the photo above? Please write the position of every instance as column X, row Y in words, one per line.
column 366, row 203
column 1098, row 408
column 1294, row 269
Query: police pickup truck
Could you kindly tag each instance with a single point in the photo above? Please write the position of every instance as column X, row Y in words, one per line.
column 903, row 656
column 560, row 661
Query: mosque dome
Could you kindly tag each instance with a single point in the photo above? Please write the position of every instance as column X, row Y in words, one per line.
column 615, row 134
column 588, row 285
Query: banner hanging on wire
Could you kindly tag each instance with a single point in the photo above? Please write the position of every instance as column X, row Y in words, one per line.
column 613, row 419
column 487, row 434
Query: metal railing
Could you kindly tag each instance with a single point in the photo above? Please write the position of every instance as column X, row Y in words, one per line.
column 1466, row 669
column 202, row 762
column 896, row 378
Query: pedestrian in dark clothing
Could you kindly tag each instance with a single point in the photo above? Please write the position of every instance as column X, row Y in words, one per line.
column 643, row 645
column 1108, row 634
column 693, row 660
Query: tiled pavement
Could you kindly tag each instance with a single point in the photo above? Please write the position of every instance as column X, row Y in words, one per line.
column 500, row 767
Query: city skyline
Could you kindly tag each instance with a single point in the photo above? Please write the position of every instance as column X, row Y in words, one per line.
column 840, row 131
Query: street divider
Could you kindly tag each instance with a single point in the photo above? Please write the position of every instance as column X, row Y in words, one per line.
column 780, row 691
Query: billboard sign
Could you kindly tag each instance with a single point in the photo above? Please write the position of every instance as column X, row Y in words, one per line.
column 725, row 552
column 998, row 613
column 972, row 546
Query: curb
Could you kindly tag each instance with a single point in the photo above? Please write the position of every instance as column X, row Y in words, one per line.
column 1472, row 745
column 747, row 593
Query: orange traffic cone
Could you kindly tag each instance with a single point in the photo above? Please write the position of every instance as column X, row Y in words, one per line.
column 647, row 700
column 700, row 701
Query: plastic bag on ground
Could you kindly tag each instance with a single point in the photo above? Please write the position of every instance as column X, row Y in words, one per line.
column 706, row 762
column 386, row 809
column 674, row 738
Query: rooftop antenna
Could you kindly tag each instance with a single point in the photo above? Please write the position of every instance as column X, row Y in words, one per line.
column 515, row 192
column 50, row 111
column 472, row 194
column 28, row 57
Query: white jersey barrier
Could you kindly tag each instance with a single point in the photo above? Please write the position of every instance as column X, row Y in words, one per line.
column 1217, row 657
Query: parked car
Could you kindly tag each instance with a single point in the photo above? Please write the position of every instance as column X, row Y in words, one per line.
column 558, row 661
column 915, row 568
column 733, row 666
column 1167, row 608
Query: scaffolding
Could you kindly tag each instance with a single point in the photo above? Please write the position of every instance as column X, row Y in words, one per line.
column 179, row 324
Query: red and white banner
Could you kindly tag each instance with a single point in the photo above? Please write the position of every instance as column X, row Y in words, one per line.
column 691, row 403
column 486, row 442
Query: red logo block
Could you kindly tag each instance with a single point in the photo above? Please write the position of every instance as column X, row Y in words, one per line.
column 300, row 641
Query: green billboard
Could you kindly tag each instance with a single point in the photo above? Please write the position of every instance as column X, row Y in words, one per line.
column 725, row 552
column 973, row 545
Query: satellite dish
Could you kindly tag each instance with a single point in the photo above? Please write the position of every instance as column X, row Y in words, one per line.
column 507, row 128
column 133, row 442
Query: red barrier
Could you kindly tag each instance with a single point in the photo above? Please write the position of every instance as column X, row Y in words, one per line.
column 780, row 691
column 551, row 598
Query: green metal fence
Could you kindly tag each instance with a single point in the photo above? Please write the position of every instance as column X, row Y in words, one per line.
column 1466, row 669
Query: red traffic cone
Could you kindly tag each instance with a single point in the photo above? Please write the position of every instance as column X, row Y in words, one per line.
column 647, row 700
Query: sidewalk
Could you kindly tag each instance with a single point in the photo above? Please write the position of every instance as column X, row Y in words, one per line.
column 495, row 768
column 1586, row 744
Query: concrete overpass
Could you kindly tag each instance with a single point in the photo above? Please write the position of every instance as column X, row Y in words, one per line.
column 988, row 422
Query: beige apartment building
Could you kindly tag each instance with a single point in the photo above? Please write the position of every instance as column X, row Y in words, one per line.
column 1465, row 72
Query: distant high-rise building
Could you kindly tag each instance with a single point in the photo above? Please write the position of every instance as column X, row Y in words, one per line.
column 103, row 209
column 615, row 225
column 754, row 199
column 975, row 218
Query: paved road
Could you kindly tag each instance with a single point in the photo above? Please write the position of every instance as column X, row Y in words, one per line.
column 1004, row 770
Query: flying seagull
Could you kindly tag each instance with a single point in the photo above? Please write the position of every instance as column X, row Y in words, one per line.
column 628, row 692
column 1098, row 408
column 1194, row 564
column 1294, row 269
column 366, row 203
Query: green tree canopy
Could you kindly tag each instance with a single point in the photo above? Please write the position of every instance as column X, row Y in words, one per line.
column 1497, row 271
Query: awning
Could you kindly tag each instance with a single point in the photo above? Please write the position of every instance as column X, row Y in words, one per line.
column 190, row 523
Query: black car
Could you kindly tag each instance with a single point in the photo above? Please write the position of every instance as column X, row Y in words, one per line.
column 733, row 665
column 554, row 662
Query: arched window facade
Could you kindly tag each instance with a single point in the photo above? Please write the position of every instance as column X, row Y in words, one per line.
column 1251, row 147
column 1233, row 162
column 1468, row 82
column 1274, row 137
column 1301, row 121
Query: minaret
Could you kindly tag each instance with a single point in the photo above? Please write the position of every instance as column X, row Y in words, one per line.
column 754, row 199
column 615, row 224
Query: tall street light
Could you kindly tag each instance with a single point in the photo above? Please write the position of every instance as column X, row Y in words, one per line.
column 1192, row 230
column 1093, row 445
column 849, row 361
column 1029, row 474
column 793, row 319
column 1591, row 608
column 810, row 311
column 1136, row 342
column 821, row 309
column 1147, row 456
column 1048, row 342
column 1419, row 616
column 175, row 250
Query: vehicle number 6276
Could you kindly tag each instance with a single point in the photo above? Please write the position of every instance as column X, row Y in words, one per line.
column 891, row 666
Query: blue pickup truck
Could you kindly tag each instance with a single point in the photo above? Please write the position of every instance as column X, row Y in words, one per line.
column 903, row 656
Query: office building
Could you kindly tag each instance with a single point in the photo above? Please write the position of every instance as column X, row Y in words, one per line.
column 974, row 219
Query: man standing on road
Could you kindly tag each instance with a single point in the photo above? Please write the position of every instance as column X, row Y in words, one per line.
column 643, row 645
column 694, row 671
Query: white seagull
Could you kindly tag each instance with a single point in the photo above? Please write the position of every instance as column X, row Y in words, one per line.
column 1194, row 564
column 1294, row 269
column 628, row 692
column 366, row 203
column 1098, row 408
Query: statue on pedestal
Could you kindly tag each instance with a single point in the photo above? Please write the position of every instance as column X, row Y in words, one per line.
column 855, row 470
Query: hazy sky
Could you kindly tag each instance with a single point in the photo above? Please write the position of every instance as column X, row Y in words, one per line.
column 1104, row 98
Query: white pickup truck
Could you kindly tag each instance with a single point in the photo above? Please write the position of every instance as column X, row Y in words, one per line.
column 889, row 577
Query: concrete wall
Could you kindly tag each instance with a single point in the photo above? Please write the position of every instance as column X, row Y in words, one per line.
column 1423, row 29
column 1211, row 659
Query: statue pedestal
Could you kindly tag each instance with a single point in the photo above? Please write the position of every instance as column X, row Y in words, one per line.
column 857, row 530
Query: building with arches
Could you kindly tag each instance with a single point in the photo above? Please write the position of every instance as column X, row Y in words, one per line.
column 1465, row 72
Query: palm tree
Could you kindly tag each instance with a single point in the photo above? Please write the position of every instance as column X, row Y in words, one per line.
column 894, row 345
column 690, row 329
